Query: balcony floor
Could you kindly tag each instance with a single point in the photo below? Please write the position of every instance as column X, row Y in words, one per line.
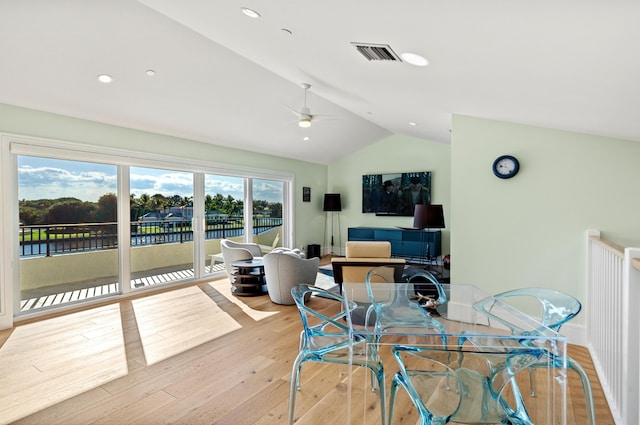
column 52, row 296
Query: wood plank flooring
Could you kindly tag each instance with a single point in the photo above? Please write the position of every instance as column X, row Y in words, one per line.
column 193, row 355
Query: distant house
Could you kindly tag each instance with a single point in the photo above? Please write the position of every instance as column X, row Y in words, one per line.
column 216, row 216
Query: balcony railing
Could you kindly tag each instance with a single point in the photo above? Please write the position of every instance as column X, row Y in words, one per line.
column 53, row 239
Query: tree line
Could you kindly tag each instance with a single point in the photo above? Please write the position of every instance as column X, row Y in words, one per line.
column 72, row 210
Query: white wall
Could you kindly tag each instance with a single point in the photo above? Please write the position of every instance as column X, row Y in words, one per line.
column 530, row 230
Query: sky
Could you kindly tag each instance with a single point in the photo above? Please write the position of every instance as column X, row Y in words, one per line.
column 45, row 178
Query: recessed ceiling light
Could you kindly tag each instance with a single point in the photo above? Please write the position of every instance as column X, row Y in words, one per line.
column 414, row 59
column 412, row 124
column 150, row 72
column 250, row 12
column 105, row 78
column 306, row 138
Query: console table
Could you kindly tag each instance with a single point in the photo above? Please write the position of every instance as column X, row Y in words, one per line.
column 406, row 243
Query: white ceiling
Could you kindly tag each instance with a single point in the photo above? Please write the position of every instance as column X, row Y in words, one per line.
column 223, row 78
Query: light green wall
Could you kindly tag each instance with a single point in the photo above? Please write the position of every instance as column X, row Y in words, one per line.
column 309, row 219
column 531, row 230
column 393, row 154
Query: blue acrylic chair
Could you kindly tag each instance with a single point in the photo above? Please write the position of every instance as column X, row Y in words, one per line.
column 326, row 339
column 452, row 385
column 395, row 309
column 556, row 309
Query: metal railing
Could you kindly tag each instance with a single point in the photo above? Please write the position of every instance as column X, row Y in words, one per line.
column 54, row 239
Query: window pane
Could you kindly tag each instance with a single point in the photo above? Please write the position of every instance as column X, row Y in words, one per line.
column 224, row 205
column 161, row 203
column 268, row 199
column 68, row 231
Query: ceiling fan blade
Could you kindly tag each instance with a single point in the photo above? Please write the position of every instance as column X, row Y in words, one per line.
column 296, row 113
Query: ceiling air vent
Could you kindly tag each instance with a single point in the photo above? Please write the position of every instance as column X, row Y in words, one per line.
column 377, row 52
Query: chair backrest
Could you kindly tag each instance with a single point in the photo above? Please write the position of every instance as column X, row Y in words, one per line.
column 236, row 251
column 407, row 305
column 283, row 270
column 556, row 308
column 253, row 248
column 368, row 249
column 362, row 256
column 478, row 379
column 426, row 285
column 316, row 324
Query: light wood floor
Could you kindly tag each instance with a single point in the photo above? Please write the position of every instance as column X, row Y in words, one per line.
column 191, row 355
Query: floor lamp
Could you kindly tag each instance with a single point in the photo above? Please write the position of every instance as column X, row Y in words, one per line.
column 427, row 217
column 332, row 204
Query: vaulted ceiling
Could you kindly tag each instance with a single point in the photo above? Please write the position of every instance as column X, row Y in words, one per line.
column 224, row 78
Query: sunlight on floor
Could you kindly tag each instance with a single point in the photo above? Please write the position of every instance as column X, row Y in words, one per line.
column 176, row 321
column 79, row 358
column 222, row 286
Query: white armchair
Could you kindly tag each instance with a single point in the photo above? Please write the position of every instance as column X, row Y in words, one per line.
column 284, row 270
column 236, row 251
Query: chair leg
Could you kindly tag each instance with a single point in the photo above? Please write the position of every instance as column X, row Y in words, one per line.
column 532, row 384
column 519, row 414
column 586, row 388
column 379, row 378
column 392, row 397
column 584, row 379
column 294, row 386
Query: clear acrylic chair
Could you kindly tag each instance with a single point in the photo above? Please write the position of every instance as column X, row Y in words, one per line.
column 448, row 385
column 326, row 339
column 556, row 309
column 409, row 305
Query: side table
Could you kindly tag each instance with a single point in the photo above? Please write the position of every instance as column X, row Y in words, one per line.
column 248, row 278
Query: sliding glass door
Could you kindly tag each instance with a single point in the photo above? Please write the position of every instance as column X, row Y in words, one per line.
column 161, row 204
column 268, row 201
column 67, row 231
column 224, row 216
column 94, row 224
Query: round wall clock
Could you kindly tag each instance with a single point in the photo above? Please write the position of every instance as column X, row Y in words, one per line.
column 506, row 166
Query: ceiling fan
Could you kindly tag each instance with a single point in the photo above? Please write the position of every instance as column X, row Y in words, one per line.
column 304, row 115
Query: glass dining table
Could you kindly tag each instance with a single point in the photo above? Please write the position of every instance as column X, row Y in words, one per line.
column 460, row 342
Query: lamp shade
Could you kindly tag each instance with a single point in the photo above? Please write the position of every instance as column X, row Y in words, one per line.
column 428, row 217
column 332, row 202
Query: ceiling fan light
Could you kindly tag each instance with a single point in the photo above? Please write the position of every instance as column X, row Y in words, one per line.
column 304, row 122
